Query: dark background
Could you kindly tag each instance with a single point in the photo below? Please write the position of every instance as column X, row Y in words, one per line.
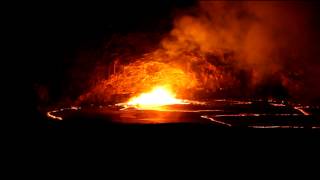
column 49, row 38
column 44, row 34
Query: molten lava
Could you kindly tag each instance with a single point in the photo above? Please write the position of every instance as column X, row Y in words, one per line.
column 158, row 97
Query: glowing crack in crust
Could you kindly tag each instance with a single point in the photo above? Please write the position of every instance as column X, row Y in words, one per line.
column 50, row 114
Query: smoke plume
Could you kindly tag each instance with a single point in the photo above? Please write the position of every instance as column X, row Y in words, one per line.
column 248, row 49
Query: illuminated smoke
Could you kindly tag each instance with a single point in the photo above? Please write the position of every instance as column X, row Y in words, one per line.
column 232, row 48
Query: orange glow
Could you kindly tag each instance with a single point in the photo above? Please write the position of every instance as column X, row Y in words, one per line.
column 220, row 49
column 159, row 96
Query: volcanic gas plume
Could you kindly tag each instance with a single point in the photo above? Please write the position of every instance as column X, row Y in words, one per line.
column 225, row 48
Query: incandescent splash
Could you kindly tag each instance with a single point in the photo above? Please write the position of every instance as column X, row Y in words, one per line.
column 159, row 96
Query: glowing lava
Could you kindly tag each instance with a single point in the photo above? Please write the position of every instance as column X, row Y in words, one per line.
column 159, row 96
